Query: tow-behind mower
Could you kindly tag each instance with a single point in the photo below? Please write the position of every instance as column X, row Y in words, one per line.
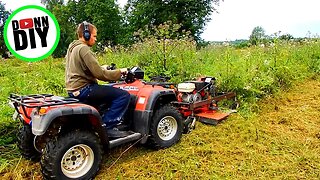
column 68, row 136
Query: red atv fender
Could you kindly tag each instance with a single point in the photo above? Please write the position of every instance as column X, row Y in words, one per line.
column 147, row 98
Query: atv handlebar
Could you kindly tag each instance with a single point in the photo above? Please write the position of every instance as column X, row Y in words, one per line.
column 129, row 77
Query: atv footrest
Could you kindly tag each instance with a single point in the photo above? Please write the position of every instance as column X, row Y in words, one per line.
column 212, row 117
column 119, row 141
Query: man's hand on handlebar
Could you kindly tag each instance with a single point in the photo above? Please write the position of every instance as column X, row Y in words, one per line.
column 124, row 71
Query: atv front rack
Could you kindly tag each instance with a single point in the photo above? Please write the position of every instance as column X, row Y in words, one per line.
column 163, row 84
column 38, row 101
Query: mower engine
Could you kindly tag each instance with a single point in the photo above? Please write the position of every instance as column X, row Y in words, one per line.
column 187, row 93
column 195, row 91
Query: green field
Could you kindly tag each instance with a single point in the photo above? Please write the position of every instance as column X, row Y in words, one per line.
column 248, row 145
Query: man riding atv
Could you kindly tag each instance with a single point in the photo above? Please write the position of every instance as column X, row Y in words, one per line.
column 81, row 74
column 69, row 136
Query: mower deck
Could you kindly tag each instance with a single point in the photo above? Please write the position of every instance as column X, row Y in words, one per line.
column 212, row 117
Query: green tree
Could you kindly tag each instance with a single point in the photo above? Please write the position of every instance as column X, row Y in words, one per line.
column 104, row 14
column 4, row 14
column 67, row 26
column 50, row 4
column 286, row 37
column 257, row 36
column 191, row 14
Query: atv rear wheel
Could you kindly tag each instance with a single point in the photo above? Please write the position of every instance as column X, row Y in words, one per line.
column 75, row 155
column 26, row 143
column 166, row 127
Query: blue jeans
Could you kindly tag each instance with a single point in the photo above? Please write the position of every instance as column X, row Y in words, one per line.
column 117, row 99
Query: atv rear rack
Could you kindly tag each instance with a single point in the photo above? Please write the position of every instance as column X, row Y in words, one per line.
column 38, row 101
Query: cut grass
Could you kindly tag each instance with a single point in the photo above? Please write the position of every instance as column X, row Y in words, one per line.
column 280, row 142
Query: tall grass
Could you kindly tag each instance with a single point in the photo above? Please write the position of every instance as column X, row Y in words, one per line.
column 253, row 73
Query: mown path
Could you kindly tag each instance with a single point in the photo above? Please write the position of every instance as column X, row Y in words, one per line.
column 281, row 142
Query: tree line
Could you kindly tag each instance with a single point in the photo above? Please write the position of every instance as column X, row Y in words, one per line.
column 116, row 25
column 4, row 14
column 136, row 20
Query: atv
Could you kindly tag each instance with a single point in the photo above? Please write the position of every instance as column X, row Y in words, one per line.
column 69, row 138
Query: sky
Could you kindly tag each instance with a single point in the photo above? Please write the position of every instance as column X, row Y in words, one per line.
column 236, row 19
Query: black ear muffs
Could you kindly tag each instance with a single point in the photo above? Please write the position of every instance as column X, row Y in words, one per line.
column 86, row 31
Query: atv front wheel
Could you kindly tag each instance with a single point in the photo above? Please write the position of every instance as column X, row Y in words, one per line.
column 26, row 143
column 75, row 155
column 166, row 127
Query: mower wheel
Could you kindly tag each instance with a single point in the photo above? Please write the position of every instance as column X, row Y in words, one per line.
column 25, row 143
column 75, row 155
column 166, row 127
